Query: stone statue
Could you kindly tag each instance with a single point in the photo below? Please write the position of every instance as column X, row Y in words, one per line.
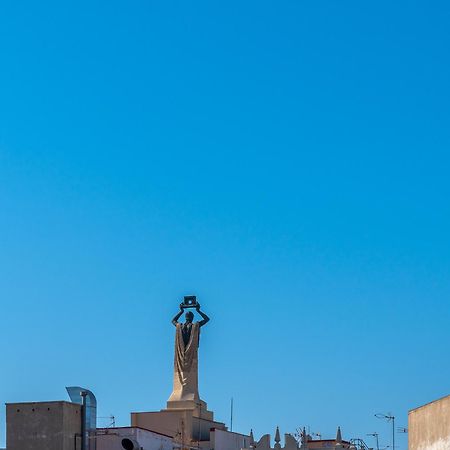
column 185, row 380
column 188, row 326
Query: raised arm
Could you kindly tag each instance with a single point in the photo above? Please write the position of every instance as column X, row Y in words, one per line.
column 204, row 316
column 175, row 319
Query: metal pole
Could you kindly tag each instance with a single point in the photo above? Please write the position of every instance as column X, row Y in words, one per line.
column 83, row 420
column 231, row 419
column 375, row 435
column 389, row 417
column 393, row 433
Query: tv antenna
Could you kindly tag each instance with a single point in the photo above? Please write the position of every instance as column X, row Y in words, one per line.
column 112, row 419
column 375, row 435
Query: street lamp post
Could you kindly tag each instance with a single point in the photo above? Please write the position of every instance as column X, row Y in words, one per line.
column 389, row 418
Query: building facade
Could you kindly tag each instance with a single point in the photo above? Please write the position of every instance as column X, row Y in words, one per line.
column 43, row 426
column 429, row 426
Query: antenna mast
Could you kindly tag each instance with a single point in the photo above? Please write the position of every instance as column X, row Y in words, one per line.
column 231, row 414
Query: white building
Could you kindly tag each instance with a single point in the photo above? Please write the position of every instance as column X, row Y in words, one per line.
column 132, row 438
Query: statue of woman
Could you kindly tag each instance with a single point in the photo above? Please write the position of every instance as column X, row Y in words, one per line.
column 187, row 336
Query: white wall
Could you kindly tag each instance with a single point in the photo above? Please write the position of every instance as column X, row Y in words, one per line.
column 226, row 440
column 146, row 439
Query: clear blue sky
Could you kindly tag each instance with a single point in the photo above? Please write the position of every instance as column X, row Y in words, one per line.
column 288, row 162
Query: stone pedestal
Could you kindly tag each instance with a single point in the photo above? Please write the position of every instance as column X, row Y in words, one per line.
column 197, row 409
column 184, row 425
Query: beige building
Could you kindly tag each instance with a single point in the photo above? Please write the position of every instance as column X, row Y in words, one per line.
column 43, row 426
column 185, row 426
column 429, row 426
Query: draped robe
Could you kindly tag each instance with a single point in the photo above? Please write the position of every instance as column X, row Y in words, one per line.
column 185, row 377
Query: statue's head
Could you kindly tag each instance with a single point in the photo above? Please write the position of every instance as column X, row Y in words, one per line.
column 189, row 316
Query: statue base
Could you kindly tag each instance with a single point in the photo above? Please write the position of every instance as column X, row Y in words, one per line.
column 199, row 408
column 188, row 426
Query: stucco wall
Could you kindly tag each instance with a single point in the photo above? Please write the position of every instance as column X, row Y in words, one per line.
column 429, row 426
column 42, row 426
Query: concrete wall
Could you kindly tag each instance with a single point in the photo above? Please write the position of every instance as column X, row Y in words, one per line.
column 43, row 426
column 227, row 440
column 429, row 426
column 111, row 439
